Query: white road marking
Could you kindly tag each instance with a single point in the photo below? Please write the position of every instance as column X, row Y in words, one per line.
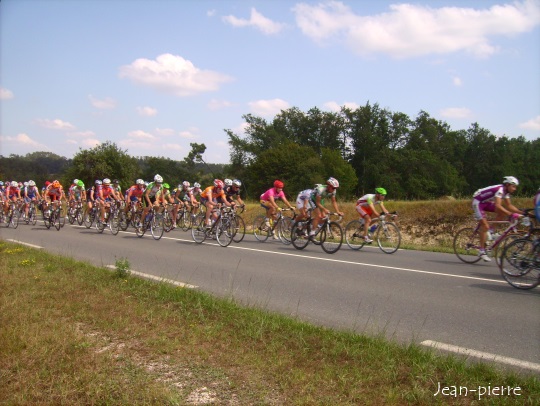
column 157, row 278
column 24, row 243
column 483, row 355
column 341, row 261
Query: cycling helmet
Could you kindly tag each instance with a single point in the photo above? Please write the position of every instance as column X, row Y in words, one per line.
column 236, row 182
column 380, row 191
column 166, row 186
column 14, row 184
column 25, row 184
column 139, row 182
column 75, row 181
column 278, row 184
column 227, row 182
column 47, row 183
column 56, row 184
column 80, row 183
column 511, row 180
column 218, row 183
column 31, row 183
column 332, row 182
column 106, row 181
column 98, row 182
column 185, row 183
column 197, row 184
column 1, row 183
column 158, row 179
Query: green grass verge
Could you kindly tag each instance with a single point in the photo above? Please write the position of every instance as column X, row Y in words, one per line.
column 72, row 333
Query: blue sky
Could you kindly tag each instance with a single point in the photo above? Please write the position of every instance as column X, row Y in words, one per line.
column 154, row 76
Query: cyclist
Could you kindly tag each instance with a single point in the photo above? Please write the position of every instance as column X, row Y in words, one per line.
column 317, row 197
column 494, row 199
column 232, row 190
column 365, row 206
column 13, row 194
column 134, row 195
column 54, row 193
column 268, row 201
column 152, row 194
column 30, row 194
column 105, row 195
column 117, row 188
column 209, row 197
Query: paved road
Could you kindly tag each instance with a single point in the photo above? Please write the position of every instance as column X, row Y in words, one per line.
column 409, row 296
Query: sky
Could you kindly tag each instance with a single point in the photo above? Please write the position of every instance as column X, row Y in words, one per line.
column 154, row 76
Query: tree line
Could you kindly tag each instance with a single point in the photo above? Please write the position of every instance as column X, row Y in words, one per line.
column 368, row 147
column 364, row 148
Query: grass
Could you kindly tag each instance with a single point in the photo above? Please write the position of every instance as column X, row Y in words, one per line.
column 73, row 333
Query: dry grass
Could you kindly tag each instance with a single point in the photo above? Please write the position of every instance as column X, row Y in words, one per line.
column 76, row 334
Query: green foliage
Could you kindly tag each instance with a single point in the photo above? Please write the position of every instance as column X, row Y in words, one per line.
column 38, row 166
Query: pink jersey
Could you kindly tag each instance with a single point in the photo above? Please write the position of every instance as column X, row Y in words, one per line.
column 272, row 193
column 489, row 193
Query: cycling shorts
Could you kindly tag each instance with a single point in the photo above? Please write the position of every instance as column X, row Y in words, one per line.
column 364, row 210
column 308, row 204
column 480, row 208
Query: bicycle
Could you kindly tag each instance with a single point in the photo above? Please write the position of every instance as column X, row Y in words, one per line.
column 167, row 218
column 520, row 263
column 329, row 234
column 279, row 228
column 76, row 213
column 53, row 218
column 125, row 219
column 221, row 229
column 467, row 240
column 90, row 216
column 110, row 219
column 32, row 216
column 152, row 221
column 237, row 222
column 385, row 232
column 186, row 218
column 12, row 216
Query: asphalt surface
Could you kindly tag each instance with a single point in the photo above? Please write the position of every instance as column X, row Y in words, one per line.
column 409, row 296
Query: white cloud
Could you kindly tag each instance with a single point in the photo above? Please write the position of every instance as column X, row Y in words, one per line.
column 164, row 131
column 22, row 140
column 410, row 30
column 146, row 111
column 55, row 124
column 267, row 108
column 5, row 94
column 187, row 135
column 174, row 147
column 532, row 124
column 102, row 104
column 334, row 106
column 141, row 135
column 456, row 112
column 215, row 104
column 81, row 134
column 90, row 143
column 456, row 80
column 256, row 20
column 173, row 74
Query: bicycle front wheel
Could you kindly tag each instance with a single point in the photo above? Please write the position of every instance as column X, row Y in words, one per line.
column 520, row 263
column 156, row 227
column 224, row 232
column 56, row 219
column 260, row 229
column 388, row 238
column 284, row 230
column 331, row 237
column 15, row 218
column 353, row 235
column 89, row 217
column 198, row 231
column 239, row 229
column 114, row 224
column 299, row 235
column 33, row 216
column 467, row 244
column 123, row 222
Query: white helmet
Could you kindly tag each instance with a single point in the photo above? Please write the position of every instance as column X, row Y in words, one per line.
column 31, row 183
column 106, row 181
column 511, row 180
column 158, row 179
column 185, row 183
column 75, row 181
column 236, row 182
column 197, row 184
column 14, row 184
column 227, row 182
column 139, row 182
column 25, row 183
column 333, row 182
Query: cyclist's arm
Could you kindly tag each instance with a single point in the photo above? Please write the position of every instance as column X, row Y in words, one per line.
column 287, row 202
column 384, row 209
column 336, row 207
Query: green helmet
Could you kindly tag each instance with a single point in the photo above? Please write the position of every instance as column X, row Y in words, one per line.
column 166, row 186
column 80, row 183
column 380, row 191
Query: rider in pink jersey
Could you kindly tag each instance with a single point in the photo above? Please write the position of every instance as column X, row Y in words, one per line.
column 492, row 199
column 268, row 201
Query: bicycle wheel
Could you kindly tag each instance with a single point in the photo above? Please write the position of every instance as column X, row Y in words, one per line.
column 520, row 263
column 79, row 217
column 299, row 235
column 353, row 235
column 466, row 245
column 100, row 225
column 55, row 219
column 114, row 224
column 331, row 237
column 388, row 238
column 157, row 227
column 89, row 217
column 260, row 229
column 284, row 229
column 140, row 225
column 198, row 231
column 239, row 229
column 499, row 249
column 71, row 216
column 33, row 216
column 123, row 222
column 15, row 218
column 224, row 231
